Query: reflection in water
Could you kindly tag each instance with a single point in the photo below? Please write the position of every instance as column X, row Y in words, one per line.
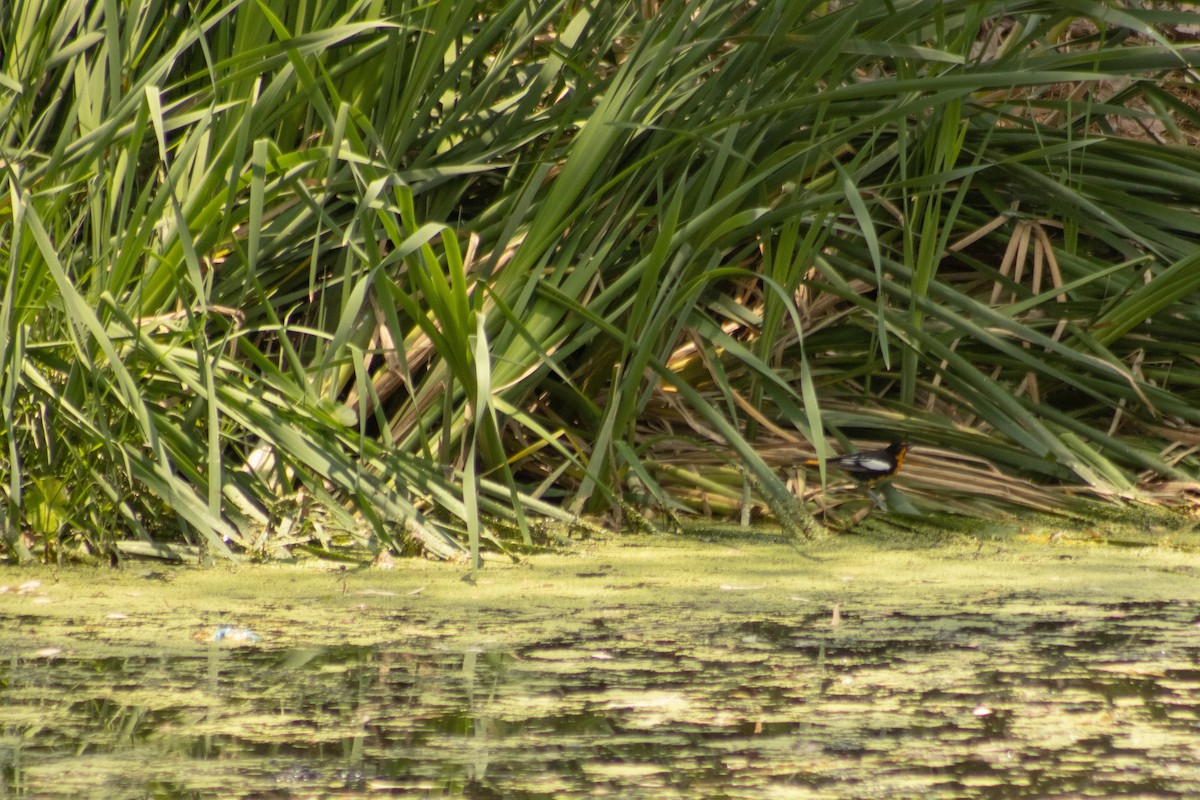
column 999, row 700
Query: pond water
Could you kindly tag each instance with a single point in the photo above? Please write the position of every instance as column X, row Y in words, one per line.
column 862, row 667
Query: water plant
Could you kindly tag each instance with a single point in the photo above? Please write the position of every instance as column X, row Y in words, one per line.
column 338, row 274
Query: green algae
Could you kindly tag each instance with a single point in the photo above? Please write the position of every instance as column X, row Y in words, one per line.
column 1014, row 663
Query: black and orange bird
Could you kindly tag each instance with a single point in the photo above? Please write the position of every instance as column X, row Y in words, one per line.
column 870, row 466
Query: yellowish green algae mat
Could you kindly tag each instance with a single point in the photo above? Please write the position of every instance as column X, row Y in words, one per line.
column 1038, row 665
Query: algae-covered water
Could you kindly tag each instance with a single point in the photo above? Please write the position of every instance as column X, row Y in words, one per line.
column 1010, row 666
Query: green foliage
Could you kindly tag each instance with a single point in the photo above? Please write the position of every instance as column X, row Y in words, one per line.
column 338, row 272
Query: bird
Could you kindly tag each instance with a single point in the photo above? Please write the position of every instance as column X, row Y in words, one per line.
column 870, row 466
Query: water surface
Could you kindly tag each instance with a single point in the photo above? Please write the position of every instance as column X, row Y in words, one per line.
column 863, row 667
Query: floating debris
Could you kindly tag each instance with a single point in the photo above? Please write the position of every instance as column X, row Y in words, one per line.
column 228, row 633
